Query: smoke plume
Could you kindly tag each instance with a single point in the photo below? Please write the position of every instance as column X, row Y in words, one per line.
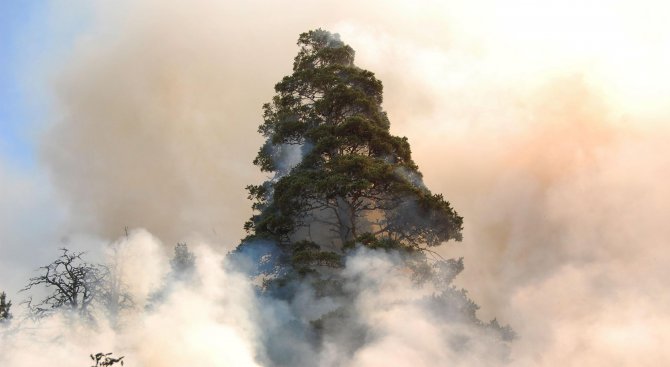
column 544, row 124
column 217, row 318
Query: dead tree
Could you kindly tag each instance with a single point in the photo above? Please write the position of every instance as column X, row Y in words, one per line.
column 114, row 294
column 74, row 285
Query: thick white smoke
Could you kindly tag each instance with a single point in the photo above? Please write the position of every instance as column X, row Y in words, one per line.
column 206, row 324
column 216, row 318
column 544, row 123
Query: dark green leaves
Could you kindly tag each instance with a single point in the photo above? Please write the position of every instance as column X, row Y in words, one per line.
column 355, row 177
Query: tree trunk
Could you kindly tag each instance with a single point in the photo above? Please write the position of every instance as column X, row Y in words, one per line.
column 346, row 220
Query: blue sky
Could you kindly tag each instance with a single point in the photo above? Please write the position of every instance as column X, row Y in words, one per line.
column 33, row 40
column 30, row 41
column 16, row 118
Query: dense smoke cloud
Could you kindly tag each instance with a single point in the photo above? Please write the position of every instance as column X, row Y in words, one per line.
column 203, row 325
column 544, row 126
column 574, row 244
column 216, row 318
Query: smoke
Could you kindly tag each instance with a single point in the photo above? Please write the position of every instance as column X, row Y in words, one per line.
column 543, row 124
column 205, row 324
column 597, row 252
column 218, row 318
column 561, row 184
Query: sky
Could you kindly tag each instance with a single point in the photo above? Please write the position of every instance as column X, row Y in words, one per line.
column 14, row 110
column 544, row 123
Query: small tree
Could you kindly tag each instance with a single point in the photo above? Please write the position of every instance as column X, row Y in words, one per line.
column 183, row 261
column 5, row 306
column 182, row 267
column 75, row 284
column 114, row 295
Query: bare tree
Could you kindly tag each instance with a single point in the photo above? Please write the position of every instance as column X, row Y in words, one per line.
column 114, row 295
column 75, row 283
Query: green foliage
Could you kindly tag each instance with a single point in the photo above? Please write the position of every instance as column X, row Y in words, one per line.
column 369, row 240
column 355, row 185
column 354, row 178
column 183, row 260
column 308, row 254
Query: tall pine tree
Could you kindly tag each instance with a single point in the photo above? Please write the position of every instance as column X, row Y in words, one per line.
column 340, row 179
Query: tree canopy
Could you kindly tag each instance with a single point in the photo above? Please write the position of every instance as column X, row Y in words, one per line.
column 183, row 261
column 338, row 181
column 354, row 183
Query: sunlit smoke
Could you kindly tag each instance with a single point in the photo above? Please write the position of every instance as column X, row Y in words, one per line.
column 218, row 318
column 544, row 123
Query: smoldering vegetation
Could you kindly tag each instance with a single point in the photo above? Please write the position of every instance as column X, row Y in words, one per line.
column 216, row 315
column 550, row 141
